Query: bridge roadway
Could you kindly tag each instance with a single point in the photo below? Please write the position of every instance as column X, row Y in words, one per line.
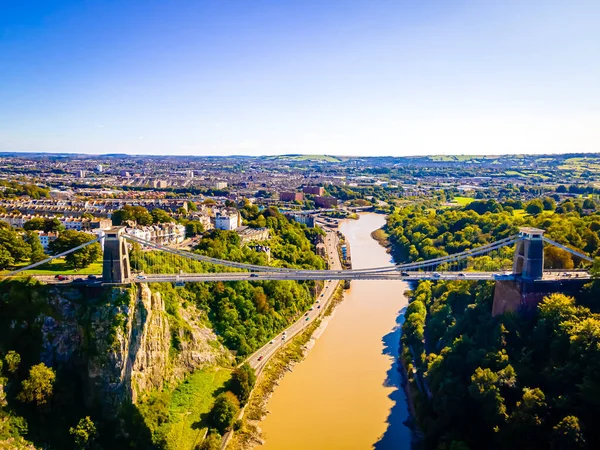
column 345, row 275
column 324, row 275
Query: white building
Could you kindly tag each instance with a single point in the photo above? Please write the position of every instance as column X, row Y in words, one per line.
column 162, row 233
column 220, row 184
column 227, row 220
column 46, row 238
column 99, row 168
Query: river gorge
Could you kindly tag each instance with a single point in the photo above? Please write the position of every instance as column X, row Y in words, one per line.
column 346, row 393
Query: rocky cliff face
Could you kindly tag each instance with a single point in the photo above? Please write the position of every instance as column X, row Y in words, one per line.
column 127, row 342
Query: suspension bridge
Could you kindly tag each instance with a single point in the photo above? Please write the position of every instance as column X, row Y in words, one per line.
column 129, row 259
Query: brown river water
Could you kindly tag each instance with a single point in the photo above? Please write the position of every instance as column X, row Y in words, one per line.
column 346, row 394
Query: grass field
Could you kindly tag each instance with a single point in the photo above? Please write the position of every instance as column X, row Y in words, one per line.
column 58, row 266
column 190, row 401
column 463, row 201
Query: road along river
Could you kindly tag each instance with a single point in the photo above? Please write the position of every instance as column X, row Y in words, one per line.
column 346, row 394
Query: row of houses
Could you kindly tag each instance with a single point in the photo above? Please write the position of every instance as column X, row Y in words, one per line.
column 70, row 223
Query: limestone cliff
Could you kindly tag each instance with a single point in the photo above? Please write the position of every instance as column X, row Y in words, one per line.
column 127, row 340
column 136, row 354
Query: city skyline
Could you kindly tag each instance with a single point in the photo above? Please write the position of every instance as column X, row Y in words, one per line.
column 354, row 78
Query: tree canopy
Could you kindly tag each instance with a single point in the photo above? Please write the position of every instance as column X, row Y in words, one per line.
column 70, row 239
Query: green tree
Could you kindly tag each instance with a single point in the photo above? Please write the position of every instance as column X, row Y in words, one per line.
column 212, row 442
column 595, row 269
column 6, row 259
column 194, row 228
column 192, row 206
column 37, row 251
column 41, row 224
column 138, row 214
column 224, row 411
column 549, row 204
column 84, row 433
column 242, row 382
column 557, row 258
column 38, row 388
column 534, row 207
column 484, row 389
column 37, row 223
column 70, row 239
column 567, row 435
column 14, row 243
column 588, row 203
column 160, row 216
column 13, row 359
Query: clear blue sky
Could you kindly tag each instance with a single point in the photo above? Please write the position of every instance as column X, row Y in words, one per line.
column 370, row 77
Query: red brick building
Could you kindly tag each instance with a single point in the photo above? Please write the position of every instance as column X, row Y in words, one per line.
column 314, row 190
column 291, row 196
column 326, row 202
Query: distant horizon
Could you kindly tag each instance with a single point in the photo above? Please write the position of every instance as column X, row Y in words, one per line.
column 156, row 155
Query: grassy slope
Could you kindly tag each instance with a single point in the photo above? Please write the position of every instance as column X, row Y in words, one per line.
column 58, row 266
column 463, row 201
column 188, row 405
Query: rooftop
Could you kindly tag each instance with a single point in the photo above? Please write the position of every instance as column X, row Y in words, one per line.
column 531, row 230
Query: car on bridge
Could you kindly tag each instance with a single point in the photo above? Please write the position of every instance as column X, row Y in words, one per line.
column 253, row 275
column 141, row 277
column 437, row 274
column 404, row 273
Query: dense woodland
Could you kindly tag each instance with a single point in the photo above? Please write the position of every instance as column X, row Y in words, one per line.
column 503, row 382
column 247, row 314
column 419, row 233
column 512, row 381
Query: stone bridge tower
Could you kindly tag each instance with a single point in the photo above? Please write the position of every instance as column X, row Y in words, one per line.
column 528, row 262
column 115, row 267
column 527, row 290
